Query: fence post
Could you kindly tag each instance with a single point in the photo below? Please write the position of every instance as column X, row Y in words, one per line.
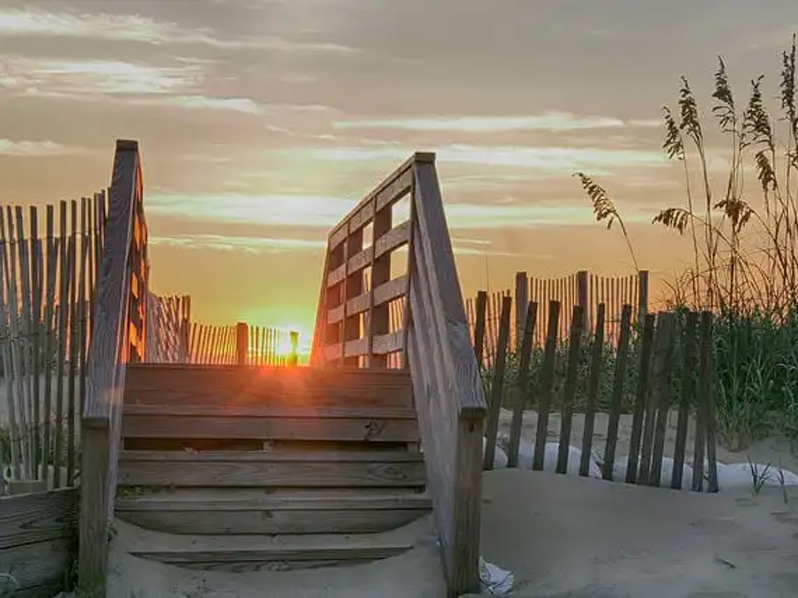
column 242, row 343
column 521, row 299
column 293, row 358
column 582, row 298
column 642, row 294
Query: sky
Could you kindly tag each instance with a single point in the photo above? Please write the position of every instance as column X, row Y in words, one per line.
column 261, row 123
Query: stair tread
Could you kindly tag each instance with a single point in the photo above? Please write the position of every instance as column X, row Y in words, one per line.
column 287, row 455
column 139, row 540
column 264, row 411
column 200, row 499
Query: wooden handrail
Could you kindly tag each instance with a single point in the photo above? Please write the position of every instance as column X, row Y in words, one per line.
column 117, row 338
column 434, row 340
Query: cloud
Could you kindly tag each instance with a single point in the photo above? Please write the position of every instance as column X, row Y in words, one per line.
column 236, row 243
column 36, row 149
column 136, row 28
column 287, row 244
column 550, row 159
column 325, row 212
column 80, row 77
column 550, row 121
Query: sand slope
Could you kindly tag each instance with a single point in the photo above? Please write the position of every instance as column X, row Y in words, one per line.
column 561, row 534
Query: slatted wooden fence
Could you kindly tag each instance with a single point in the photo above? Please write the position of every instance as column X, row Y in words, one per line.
column 673, row 362
column 48, row 274
column 581, row 288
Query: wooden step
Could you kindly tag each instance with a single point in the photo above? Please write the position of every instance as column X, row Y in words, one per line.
column 178, row 384
column 271, row 469
column 373, row 424
column 254, row 511
column 241, row 553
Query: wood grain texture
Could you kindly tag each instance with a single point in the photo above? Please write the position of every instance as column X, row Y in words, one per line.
column 333, row 424
column 249, row 469
column 272, row 557
column 230, row 385
column 110, row 349
column 38, row 517
column 237, row 511
column 35, row 570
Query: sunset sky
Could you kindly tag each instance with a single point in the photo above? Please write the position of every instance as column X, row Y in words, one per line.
column 261, row 122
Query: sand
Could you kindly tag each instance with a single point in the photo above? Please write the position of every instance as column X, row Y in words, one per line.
column 581, row 537
column 560, row 536
column 413, row 574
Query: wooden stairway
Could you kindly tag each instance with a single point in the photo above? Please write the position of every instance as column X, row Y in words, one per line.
column 243, row 468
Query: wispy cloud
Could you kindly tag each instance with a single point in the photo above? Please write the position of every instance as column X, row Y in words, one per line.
column 36, row 149
column 80, row 77
column 237, row 243
column 259, row 245
column 136, row 28
column 550, row 159
column 325, row 212
column 550, row 121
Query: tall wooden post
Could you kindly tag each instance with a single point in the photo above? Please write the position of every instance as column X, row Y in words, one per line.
column 642, row 294
column 242, row 343
column 583, row 297
column 521, row 300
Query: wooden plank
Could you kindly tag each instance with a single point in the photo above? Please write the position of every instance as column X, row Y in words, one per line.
column 100, row 424
column 239, row 559
column 264, row 521
column 647, row 448
column 546, row 386
column 35, row 570
column 497, row 383
column 388, row 291
column 661, row 392
column 237, row 511
column 392, row 240
column 707, row 398
column 38, row 517
column 312, row 412
column 618, row 388
column 270, row 426
column 383, row 344
column 389, row 191
column 479, row 327
column 522, row 383
column 165, row 384
column 596, row 362
column 569, row 391
column 688, row 393
column 641, row 396
column 268, row 470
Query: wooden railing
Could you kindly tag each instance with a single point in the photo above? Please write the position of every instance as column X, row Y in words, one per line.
column 118, row 338
column 353, row 328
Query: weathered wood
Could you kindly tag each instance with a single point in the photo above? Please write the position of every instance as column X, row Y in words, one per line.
column 236, row 511
column 334, row 424
column 37, row 517
column 497, row 383
column 35, row 570
column 522, row 384
column 707, row 389
column 569, row 390
column 618, row 387
column 660, row 390
column 596, row 362
column 546, row 385
column 106, row 375
column 253, row 559
column 479, row 327
column 687, row 398
column 164, row 384
column 641, row 396
column 333, row 469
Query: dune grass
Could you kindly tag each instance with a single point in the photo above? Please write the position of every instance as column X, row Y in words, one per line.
column 744, row 239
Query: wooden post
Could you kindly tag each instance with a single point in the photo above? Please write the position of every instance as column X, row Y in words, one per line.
column 294, row 345
column 242, row 343
column 642, row 294
column 521, row 301
column 583, row 298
